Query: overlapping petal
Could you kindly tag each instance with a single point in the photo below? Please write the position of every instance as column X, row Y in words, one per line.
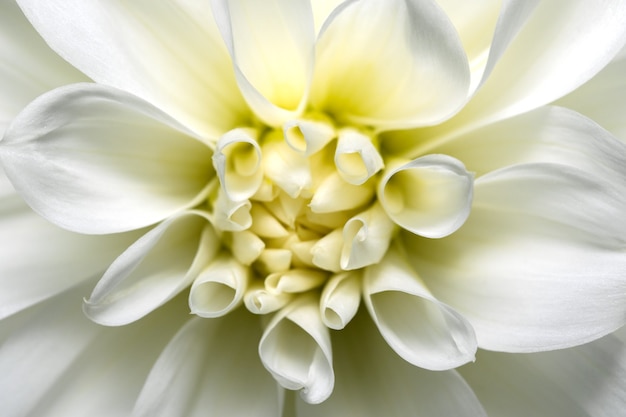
column 373, row 381
column 93, row 159
column 271, row 44
column 211, row 367
column 546, row 226
column 392, row 64
column 153, row 270
column 169, row 54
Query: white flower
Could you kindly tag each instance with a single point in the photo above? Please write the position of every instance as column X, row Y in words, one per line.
column 277, row 162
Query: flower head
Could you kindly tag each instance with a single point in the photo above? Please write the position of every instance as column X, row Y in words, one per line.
column 279, row 163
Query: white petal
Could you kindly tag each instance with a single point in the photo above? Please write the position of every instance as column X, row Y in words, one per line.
column 96, row 160
column 327, row 251
column 603, row 98
column 586, row 381
column 421, row 329
column 429, row 196
column 340, row 299
column 169, row 54
column 322, row 9
column 237, row 160
column 391, row 64
column 229, row 215
column 28, row 67
column 540, row 262
column 296, row 349
column 219, row 288
column 356, row 157
column 39, row 260
column 260, row 301
column 287, row 168
column 542, row 51
column 153, row 270
column 294, row 280
column 57, row 363
column 246, row 246
column 366, row 238
column 211, row 368
column 272, row 48
column 372, row 381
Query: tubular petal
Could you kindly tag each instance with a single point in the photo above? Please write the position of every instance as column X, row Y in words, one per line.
column 340, row 299
column 417, row 326
column 295, row 349
column 356, row 157
column 430, row 196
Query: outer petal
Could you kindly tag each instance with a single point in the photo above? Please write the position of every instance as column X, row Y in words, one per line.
column 603, row 98
column 587, row 381
column 271, row 44
column 390, row 64
column 168, row 53
column 372, row 381
column 540, row 262
column 56, row 363
column 211, row 368
column 96, row 160
column 542, row 51
column 28, row 67
column 39, row 260
column 153, row 270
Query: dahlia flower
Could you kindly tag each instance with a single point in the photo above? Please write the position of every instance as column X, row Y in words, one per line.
column 296, row 207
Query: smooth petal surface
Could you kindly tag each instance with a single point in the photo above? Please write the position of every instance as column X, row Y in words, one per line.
column 430, row 196
column 372, row 381
column 153, row 270
column 272, row 48
column 340, row 299
column 418, row 327
column 211, row 367
column 39, row 260
column 169, row 54
column 586, row 381
column 93, row 159
column 540, row 262
column 356, row 157
column 542, row 51
column 390, row 64
column 28, row 67
column 603, row 98
column 56, row 363
column 295, row 349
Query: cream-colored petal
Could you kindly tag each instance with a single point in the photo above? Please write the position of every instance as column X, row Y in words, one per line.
column 327, row 251
column 430, row 196
column 309, row 134
column 229, row 215
column 366, row 238
column 296, row 350
column 272, row 48
column 356, row 157
column 168, row 53
column 418, row 327
column 258, row 300
column 237, row 160
column 340, row 299
column 152, row 270
column 392, row 64
column 295, row 280
column 335, row 194
column 219, row 288
column 285, row 167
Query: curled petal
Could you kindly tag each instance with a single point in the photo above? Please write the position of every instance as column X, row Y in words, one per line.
column 430, row 196
column 366, row 238
column 294, row 280
column 274, row 260
column 356, row 157
column 97, row 160
column 229, row 215
column 421, row 329
column 308, row 135
column 219, row 288
column 153, row 270
column 265, row 224
column 258, row 300
column 296, row 350
column 285, row 167
column 246, row 247
column 272, row 48
column 327, row 251
column 340, row 299
column 237, row 160
column 334, row 194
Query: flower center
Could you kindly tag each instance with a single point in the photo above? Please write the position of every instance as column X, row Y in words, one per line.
column 297, row 207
